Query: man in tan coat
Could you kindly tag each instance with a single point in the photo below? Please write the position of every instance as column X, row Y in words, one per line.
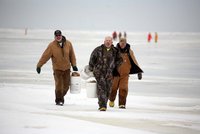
column 120, row 81
column 63, row 57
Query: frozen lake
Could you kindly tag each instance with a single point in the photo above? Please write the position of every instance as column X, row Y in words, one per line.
column 166, row 100
column 170, row 66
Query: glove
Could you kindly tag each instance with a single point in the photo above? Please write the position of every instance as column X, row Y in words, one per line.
column 139, row 76
column 75, row 68
column 38, row 69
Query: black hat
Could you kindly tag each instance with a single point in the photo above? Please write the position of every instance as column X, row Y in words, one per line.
column 57, row 33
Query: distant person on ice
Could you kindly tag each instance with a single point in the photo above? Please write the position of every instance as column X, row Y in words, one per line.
column 149, row 37
column 125, row 35
column 103, row 60
column 120, row 35
column 156, row 37
column 120, row 81
column 62, row 55
column 114, row 35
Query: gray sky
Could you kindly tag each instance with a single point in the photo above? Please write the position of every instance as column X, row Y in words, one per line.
column 125, row 15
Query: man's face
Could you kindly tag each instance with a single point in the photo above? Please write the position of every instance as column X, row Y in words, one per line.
column 122, row 44
column 58, row 38
column 108, row 42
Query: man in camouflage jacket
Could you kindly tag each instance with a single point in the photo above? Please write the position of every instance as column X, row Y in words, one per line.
column 103, row 61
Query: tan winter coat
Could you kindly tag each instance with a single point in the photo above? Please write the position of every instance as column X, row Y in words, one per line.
column 61, row 57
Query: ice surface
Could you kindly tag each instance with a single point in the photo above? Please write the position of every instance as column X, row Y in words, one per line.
column 167, row 100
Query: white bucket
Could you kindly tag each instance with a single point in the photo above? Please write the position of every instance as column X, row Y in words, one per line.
column 91, row 89
column 86, row 73
column 75, row 85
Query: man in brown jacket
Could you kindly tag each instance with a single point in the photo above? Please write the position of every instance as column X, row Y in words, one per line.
column 120, row 81
column 63, row 57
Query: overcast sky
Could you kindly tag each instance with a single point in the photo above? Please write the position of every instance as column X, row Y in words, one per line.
column 126, row 15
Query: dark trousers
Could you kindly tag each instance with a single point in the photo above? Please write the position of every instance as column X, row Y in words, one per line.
column 62, row 81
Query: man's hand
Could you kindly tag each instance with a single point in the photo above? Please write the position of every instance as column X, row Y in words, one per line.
column 38, row 69
column 139, row 76
column 75, row 68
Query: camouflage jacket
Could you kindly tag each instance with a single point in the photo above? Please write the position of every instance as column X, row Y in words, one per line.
column 103, row 62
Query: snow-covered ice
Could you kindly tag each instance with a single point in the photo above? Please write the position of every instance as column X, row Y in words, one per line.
column 166, row 101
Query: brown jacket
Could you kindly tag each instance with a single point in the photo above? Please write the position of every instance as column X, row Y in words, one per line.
column 61, row 57
column 131, row 66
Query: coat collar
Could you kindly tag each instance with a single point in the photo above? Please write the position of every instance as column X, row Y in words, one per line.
column 124, row 50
